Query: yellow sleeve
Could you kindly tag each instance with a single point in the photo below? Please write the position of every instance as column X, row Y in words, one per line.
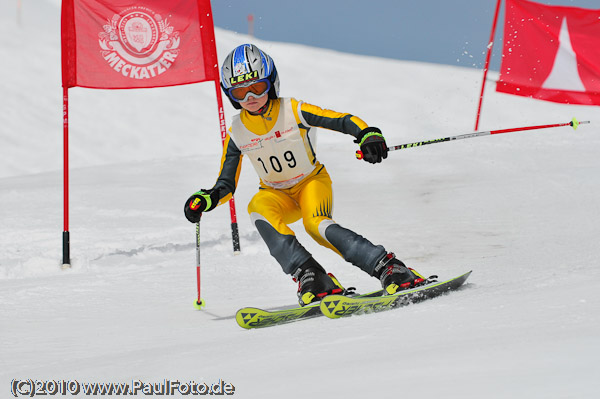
column 231, row 166
column 313, row 115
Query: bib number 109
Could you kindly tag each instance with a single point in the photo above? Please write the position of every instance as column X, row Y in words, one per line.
column 275, row 163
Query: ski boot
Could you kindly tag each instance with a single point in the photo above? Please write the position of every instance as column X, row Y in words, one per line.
column 395, row 276
column 314, row 283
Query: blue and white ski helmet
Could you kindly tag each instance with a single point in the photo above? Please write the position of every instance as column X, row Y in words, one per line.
column 244, row 66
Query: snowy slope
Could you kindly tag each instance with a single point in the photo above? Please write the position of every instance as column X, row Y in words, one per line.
column 520, row 210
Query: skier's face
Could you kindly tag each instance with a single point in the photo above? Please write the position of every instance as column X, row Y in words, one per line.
column 255, row 103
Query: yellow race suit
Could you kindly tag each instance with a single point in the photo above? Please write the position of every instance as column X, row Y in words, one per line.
column 281, row 145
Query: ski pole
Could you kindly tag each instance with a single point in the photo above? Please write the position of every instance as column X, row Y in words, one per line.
column 199, row 302
column 574, row 124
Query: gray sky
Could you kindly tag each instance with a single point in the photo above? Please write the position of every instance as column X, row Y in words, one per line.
column 454, row 32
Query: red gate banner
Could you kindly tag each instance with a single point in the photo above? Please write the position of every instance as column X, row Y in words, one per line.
column 124, row 44
column 551, row 53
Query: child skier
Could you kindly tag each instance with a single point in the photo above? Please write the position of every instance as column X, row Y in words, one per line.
column 277, row 134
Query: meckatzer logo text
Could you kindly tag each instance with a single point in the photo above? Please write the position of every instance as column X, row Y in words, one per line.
column 139, row 43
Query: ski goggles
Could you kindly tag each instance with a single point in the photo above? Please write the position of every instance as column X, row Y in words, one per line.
column 256, row 89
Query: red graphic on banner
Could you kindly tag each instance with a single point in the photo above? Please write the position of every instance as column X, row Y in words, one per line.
column 551, row 53
column 118, row 44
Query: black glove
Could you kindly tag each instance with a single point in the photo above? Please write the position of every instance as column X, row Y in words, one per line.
column 372, row 144
column 201, row 201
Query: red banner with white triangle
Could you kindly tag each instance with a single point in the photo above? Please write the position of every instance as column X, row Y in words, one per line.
column 551, row 53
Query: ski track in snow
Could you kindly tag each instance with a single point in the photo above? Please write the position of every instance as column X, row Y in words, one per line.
column 520, row 210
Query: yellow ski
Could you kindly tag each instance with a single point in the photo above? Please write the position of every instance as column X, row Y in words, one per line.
column 336, row 306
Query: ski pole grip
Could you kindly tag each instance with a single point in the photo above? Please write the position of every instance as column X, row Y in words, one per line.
column 195, row 203
column 359, row 154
